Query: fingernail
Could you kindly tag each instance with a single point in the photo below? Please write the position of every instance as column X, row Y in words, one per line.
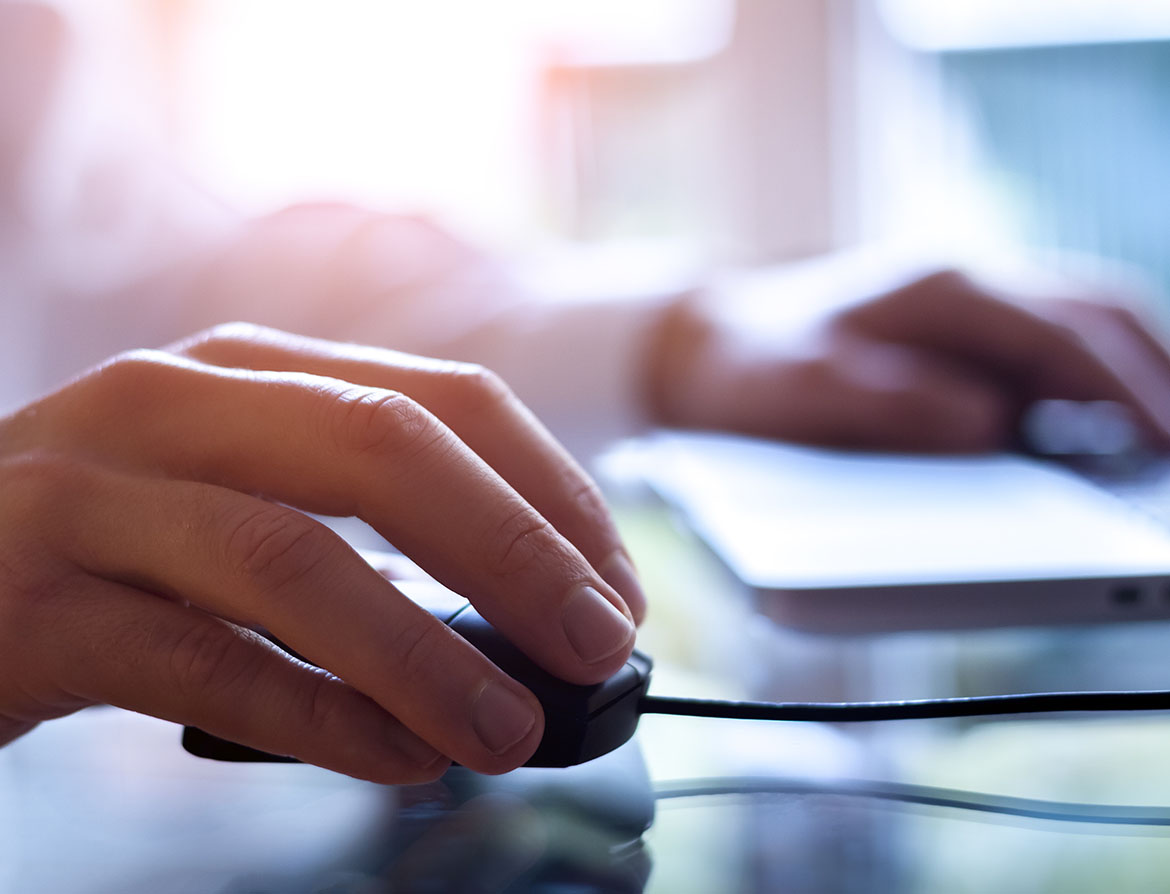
column 594, row 626
column 619, row 573
column 417, row 750
column 501, row 717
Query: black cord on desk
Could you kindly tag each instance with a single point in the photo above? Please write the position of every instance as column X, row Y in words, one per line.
column 854, row 712
column 846, row 712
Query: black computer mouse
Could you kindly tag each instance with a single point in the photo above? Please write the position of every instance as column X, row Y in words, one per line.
column 580, row 722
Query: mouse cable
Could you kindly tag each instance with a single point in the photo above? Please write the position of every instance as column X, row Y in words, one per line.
column 856, row 712
column 926, row 795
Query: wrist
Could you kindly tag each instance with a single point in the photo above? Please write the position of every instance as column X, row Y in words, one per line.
column 673, row 387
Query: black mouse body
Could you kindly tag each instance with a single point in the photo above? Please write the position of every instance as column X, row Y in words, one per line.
column 580, row 722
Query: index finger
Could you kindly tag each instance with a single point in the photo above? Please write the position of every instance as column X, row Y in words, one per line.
column 477, row 406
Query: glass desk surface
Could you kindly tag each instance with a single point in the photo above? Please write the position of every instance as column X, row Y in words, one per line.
column 106, row 802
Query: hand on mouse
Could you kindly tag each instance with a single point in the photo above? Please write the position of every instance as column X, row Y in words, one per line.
column 938, row 362
column 151, row 515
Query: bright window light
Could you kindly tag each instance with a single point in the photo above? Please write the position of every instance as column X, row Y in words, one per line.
column 431, row 105
column 961, row 24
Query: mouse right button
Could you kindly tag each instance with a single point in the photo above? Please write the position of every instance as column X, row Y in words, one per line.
column 581, row 722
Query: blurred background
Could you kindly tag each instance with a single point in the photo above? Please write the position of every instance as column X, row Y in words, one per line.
column 722, row 131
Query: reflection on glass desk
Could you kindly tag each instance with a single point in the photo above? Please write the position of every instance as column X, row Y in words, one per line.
column 106, row 802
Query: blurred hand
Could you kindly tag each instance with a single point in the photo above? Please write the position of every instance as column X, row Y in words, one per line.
column 942, row 363
column 147, row 523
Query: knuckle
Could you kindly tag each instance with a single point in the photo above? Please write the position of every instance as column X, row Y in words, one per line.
column 1126, row 317
column 209, row 341
column 208, row 659
column 385, row 423
column 919, row 294
column 321, row 704
column 141, row 375
column 418, row 648
column 233, row 331
column 518, row 543
column 475, row 389
column 132, row 369
column 272, row 546
column 945, row 280
column 938, row 286
column 591, row 503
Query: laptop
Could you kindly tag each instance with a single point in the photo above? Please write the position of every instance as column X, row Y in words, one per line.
column 845, row 542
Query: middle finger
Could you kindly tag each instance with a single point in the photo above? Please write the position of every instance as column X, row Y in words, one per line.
column 338, row 449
